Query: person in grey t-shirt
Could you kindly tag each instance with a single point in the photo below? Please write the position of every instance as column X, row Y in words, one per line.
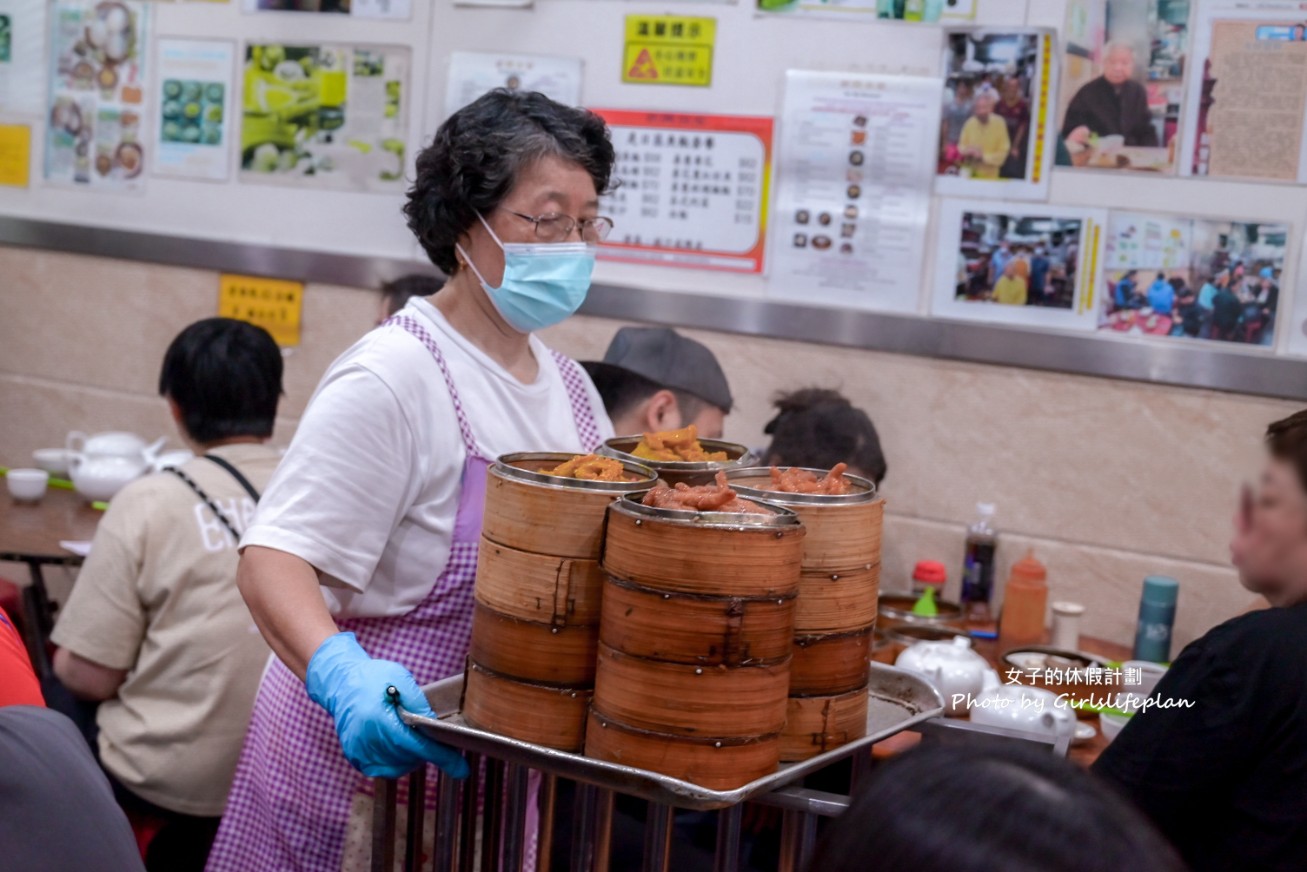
column 57, row 812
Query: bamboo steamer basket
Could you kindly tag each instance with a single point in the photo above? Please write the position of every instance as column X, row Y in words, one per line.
column 528, row 651
column 816, row 724
column 723, row 763
column 895, row 610
column 830, row 664
column 696, row 628
column 531, row 511
column 562, row 591
column 834, row 602
column 711, row 553
column 844, row 531
column 536, row 713
column 691, row 472
column 687, row 700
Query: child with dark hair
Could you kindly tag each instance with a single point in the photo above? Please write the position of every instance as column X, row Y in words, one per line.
column 819, row 428
column 977, row 808
column 155, row 628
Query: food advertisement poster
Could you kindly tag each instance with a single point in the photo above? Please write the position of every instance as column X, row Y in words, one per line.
column 1123, row 83
column 895, row 10
column 996, row 132
column 1025, row 264
column 325, row 116
column 98, row 105
column 691, row 192
column 854, row 172
column 22, row 35
column 1247, row 99
column 392, row 9
column 472, row 74
column 193, row 129
column 1192, row 278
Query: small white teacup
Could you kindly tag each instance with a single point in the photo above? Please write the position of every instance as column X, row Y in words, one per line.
column 27, row 485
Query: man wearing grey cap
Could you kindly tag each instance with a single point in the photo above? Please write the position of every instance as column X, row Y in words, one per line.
column 653, row 378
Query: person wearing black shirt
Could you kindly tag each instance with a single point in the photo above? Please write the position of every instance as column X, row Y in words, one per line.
column 1112, row 104
column 1226, row 778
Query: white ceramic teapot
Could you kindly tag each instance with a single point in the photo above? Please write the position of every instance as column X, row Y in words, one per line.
column 1025, row 709
column 101, row 464
column 957, row 672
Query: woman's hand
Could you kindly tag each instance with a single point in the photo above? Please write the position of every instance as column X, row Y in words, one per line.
column 354, row 688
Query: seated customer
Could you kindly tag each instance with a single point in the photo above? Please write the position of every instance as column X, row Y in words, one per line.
column 653, row 378
column 155, row 626
column 1226, row 779
column 396, row 294
column 981, row 808
column 819, row 428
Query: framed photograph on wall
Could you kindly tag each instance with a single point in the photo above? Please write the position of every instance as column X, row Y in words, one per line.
column 1192, row 278
column 1123, row 83
column 996, row 122
column 1014, row 263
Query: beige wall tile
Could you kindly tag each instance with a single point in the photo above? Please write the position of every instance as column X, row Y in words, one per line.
column 1107, row 581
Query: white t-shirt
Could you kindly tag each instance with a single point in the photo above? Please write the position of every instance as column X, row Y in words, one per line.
column 368, row 490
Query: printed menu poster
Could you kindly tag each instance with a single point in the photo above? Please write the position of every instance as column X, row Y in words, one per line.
column 97, row 93
column 22, row 29
column 193, row 130
column 325, row 116
column 1248, row 96
column 472, row 74
column 692, row 190
column 856, row 160
column 392, row 9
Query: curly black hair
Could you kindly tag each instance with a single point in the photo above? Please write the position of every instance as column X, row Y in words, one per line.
column 818, row 427
column 476, row 156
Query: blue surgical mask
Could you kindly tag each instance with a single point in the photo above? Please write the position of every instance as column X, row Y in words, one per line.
column 543, row 284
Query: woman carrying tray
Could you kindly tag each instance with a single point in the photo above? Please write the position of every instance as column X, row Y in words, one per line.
column 359, row 565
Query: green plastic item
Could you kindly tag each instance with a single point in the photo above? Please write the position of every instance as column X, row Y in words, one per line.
column 926, row 605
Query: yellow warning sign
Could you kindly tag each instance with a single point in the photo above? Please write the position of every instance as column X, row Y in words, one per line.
column 273, row 304
column 669, row 50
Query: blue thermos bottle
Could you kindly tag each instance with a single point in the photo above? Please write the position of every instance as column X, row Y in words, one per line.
column 1156, row 617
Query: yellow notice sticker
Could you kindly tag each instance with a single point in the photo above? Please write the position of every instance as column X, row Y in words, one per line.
column 15, row 154
column 669, row 50
column 273, row 304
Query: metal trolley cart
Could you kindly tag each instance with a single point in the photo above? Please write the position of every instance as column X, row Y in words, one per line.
column 499, row 784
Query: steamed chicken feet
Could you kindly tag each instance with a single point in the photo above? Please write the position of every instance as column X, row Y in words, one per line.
column 718, row 497
column 801, row 481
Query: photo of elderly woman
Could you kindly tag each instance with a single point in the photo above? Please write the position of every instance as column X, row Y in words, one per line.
column 1122, row 82
column 985, row 128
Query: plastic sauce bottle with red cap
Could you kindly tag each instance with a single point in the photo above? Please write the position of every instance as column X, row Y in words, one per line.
column 929, row 574
column 1025, row 602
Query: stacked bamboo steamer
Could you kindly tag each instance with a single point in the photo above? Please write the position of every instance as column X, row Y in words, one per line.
column 535, row 624
column 835, row 613
column 694, row 642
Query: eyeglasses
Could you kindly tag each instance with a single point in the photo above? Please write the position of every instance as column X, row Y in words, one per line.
column 553, row 227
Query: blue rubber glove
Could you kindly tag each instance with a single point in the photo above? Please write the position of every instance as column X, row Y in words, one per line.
column 349, row 684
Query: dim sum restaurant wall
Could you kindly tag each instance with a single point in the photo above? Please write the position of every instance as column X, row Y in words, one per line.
column 1107, row 480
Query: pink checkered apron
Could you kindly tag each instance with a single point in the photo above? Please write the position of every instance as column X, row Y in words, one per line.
column 290, row 802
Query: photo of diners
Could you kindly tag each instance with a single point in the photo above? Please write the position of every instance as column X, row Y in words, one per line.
column 750, row 440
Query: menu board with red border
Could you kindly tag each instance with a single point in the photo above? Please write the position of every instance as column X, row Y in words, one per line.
column 690, row 190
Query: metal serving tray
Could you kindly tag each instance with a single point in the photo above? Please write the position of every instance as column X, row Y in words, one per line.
column 898, row 700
